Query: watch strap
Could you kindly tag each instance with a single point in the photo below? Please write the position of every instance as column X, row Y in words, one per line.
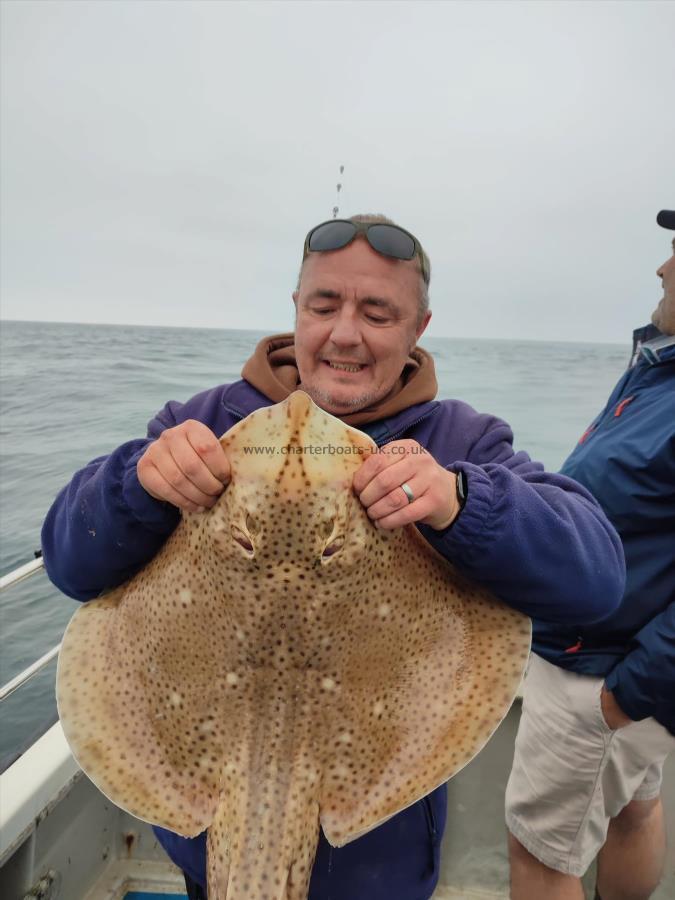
column 462, row 487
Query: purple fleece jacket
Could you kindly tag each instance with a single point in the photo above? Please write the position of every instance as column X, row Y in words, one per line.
column 539, row 541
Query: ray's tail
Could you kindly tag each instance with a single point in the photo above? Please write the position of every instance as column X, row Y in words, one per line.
column 270, row 862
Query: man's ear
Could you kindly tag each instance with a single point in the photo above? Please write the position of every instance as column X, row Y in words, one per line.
column 421, row 328
column 296, row 294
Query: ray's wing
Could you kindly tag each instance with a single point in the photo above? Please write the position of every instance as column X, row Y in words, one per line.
column 437, row 665
column 144, row 698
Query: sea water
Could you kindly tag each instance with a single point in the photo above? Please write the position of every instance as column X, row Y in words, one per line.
column 70, row 393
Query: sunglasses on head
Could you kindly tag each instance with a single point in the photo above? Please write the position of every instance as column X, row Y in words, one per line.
column 389, row 240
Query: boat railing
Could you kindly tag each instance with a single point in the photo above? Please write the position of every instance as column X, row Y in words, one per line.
column 14, row 577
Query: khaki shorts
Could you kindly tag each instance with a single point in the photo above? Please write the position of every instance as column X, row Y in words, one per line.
column 571, row 773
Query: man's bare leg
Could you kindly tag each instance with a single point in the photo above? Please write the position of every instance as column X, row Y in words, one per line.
column 630, row 864
column 531, row 878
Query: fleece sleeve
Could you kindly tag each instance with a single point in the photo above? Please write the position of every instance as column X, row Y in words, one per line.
column 643, row 683
column 538, row 540
column 103, row 526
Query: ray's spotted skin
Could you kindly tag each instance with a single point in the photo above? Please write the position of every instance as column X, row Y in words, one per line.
column 283, row 665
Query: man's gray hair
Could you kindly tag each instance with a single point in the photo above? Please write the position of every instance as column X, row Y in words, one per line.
column 423, row 263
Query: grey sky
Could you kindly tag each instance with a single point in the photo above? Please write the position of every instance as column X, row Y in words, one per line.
column 163, row 160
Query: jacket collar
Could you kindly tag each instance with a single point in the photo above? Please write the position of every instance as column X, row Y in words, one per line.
column 651, row 345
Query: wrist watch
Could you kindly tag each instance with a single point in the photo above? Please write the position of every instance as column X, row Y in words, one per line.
column 462, row 487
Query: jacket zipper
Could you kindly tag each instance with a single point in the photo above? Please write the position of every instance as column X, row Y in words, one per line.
column 431, row 828
column 431, row 819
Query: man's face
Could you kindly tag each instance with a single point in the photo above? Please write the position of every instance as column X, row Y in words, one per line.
column 356, row 323
column 664, row 314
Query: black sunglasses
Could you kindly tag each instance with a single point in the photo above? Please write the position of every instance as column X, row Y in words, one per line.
column 389, row 240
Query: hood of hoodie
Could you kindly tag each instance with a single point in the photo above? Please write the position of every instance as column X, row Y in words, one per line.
column 272, row 370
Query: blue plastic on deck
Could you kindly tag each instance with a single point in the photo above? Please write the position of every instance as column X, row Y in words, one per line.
column 144, row 895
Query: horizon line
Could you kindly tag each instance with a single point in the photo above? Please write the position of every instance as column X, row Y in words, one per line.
column 448, row 337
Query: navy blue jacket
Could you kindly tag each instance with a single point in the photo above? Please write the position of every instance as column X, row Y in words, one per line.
column 626, row 458
column 538, row 540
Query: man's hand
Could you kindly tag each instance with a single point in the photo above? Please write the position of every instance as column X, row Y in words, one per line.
column 614, row 716
column 186, row 466
column 378, row 486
